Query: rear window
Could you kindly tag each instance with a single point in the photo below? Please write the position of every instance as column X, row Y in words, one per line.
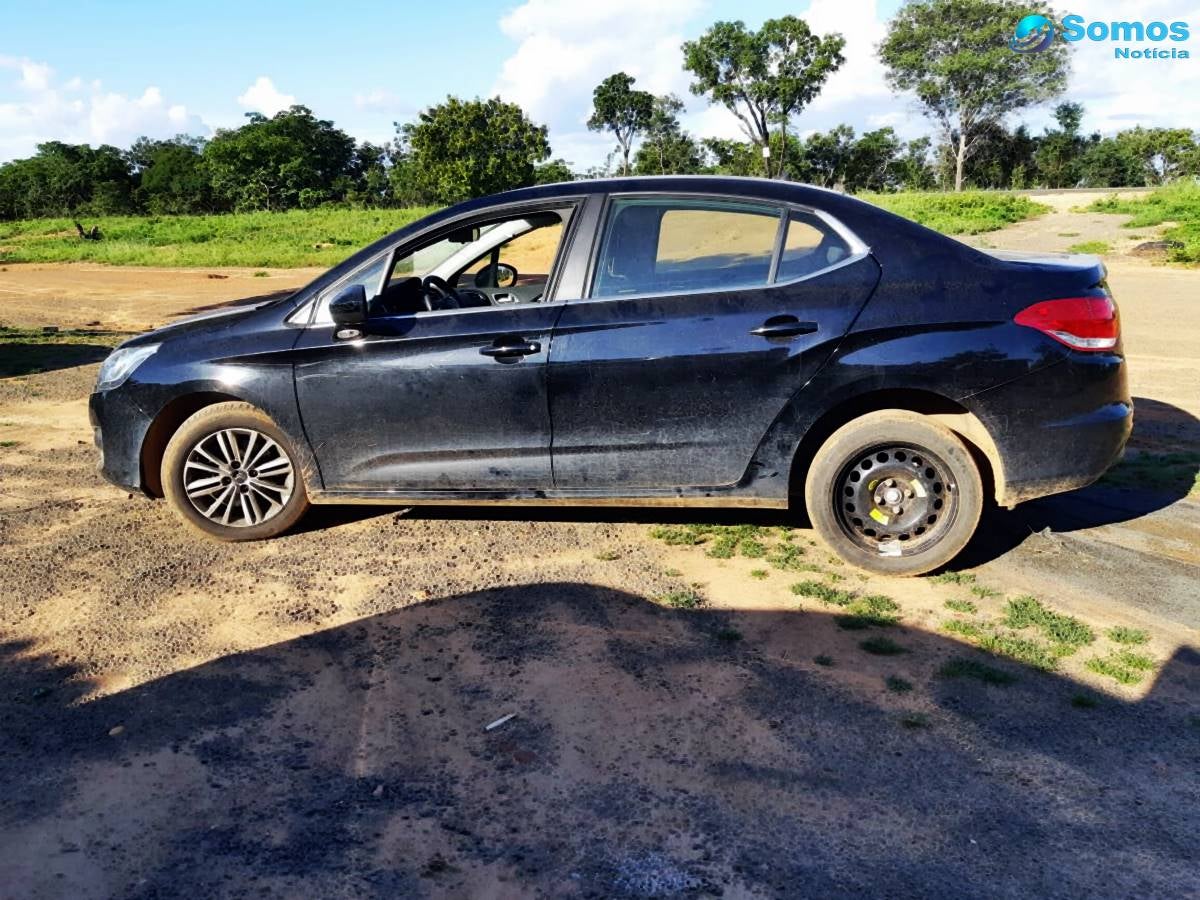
column 673, row 246
column 809, row 246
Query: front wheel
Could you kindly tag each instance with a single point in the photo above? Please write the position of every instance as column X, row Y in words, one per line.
column 894, row 493
column 230, row 473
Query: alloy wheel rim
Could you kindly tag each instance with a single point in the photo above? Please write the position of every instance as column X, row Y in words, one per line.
column 238, row 477
column 895, row 499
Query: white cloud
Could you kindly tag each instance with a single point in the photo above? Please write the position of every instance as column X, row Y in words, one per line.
column 564, row 50
column 265, row 98
column 41, row 109
column 1122, row 93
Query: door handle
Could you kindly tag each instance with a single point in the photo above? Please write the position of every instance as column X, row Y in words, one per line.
column 783, row 327
column 515, row 347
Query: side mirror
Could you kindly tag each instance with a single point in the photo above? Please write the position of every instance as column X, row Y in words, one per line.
column 500, row 275
column 348, row 308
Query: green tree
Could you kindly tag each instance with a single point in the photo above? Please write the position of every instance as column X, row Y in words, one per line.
column 288, row 160
column 826, row 157
column 552, row 172
column 618, row 107
column 914, row 173
column 1163, row 153
column 67, row 179
column 369, row 183
column 667, row 148
column 1059, row 153
column 469, row 148
column 1111, row 163
column 997, row 154
column 763, row 77
column 954, row 56
column 732, row 157
column 875, row 162
column 171, row 175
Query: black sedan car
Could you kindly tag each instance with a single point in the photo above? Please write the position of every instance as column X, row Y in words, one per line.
column 686, row 340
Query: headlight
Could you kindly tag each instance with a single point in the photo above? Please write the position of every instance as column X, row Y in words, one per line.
column 121, row 363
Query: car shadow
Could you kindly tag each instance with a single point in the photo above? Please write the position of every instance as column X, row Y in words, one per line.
column 651, row 752
column 19, row 359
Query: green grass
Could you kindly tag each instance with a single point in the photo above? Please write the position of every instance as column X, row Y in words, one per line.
column 859, row 611
column 1123, row 666
column 1034, row 653
column 753, row 548
column 881, row 646
column 1084, row 701
column 983, row 592
column 871, row 610
column 962, row 606
column 914, row 721
column 1121, row 634
column 963, row 578
column 970, row 668
column 898, row 685
column 727, row 635
column 759, row 574
column 318, row 237
column 1174, row 473
column 788, row 557
column 680, row 535
column 823, row 592
column 1067, row 632
column 823, row 660
column 322, row 237
column 682, row 598
column 969, row 212
column 1091, row 247
column 1179, row 203
column 608, row 555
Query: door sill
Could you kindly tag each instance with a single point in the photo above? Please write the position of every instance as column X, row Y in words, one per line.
column 538, row 498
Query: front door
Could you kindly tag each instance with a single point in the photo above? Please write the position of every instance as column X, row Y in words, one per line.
column 445, row 390
column 705, row 318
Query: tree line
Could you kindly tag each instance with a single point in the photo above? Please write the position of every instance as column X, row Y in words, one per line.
column 950, row 56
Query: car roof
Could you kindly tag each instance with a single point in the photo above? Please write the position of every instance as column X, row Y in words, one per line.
column 733, row 185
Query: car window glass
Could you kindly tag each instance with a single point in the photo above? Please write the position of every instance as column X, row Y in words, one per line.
column 369, row 277
column 530, row 254
column 671, row 246
column 809, row 246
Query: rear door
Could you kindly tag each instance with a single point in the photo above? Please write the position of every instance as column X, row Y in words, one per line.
column 703, row 318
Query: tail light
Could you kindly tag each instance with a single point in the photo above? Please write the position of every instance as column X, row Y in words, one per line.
column 1082, row 323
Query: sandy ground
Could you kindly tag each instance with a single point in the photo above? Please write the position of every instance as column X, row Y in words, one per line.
column 307, row 716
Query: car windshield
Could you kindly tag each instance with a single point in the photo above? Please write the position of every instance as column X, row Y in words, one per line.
column 467, row 243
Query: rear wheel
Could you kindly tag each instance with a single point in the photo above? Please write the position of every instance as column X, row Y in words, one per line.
column 895, row 493
column 230, row 472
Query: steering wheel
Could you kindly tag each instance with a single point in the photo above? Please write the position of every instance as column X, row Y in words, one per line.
column 438, row 294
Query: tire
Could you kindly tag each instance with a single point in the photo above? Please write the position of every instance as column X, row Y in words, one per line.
column 894, row 493
column 211, row 455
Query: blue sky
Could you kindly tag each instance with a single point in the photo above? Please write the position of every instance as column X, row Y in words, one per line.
column 107, row 72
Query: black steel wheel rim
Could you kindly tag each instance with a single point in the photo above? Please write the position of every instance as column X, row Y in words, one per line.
column 895, row 499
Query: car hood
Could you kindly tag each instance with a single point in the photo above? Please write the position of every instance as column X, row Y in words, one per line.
column 208, row 321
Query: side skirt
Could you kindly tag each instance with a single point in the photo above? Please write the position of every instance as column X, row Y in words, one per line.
column 537, row 498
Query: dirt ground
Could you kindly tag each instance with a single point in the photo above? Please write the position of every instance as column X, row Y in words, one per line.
column 307, row 716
